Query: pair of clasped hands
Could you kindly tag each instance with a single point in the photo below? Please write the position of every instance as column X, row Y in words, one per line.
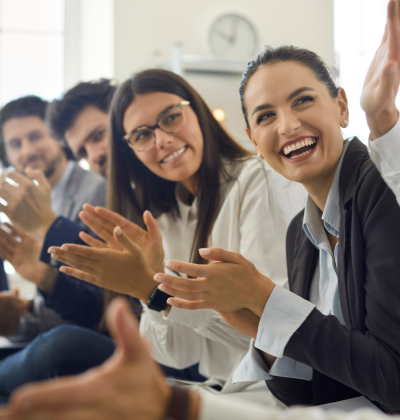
column 129, row 260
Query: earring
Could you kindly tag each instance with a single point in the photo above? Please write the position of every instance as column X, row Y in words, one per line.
column 345, row 123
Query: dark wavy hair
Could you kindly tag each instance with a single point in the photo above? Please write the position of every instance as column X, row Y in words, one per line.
column 150, row 191
column 62, row 113
column 287, row 53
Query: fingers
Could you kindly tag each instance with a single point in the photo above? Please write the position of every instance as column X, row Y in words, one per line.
column 194, row 270
column 181, row 294
column 114, row 218
column 125, row 330
column 38, row 176
column 81, row 250
column 91, row 241
column 183, row 304
column 15, row 230
column 98, row 225
column 78, row 262
column 124, row 241
column 219, row 254
column 184, row 284
column 81, row 275
column 152, row 225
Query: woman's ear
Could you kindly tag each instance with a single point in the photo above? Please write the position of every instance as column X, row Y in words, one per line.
column 343, row 108
column 251, row 138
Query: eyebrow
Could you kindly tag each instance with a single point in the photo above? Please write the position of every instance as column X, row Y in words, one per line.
column 158, row 117
column 92, row 133
column 291, row 96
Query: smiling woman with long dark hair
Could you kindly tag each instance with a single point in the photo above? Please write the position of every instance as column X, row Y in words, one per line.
column 169, row 155
column 335, row 335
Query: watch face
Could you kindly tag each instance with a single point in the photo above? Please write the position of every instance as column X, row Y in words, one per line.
column 233, row 37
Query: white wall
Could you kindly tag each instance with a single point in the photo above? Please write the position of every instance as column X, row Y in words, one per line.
column 89, row 44
column 141, row 27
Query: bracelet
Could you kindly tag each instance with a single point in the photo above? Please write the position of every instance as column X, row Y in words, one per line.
column 179, row 404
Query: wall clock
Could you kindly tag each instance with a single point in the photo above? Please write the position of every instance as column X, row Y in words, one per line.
column 232, row 36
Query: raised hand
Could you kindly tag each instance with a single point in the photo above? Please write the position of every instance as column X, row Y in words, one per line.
column 229, row 284
column 382, row 81
column 103, row 222
column 29, row 205
column 127, row 386
column 23, row 252
column 127, row 272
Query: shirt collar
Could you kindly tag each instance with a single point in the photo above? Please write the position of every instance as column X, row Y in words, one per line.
column 59, row 189
column 313, row 217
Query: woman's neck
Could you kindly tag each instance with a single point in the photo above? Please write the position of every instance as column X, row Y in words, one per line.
column 191, row 184
column 319, row 189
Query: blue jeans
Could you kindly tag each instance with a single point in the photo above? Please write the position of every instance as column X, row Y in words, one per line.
column 65, row 350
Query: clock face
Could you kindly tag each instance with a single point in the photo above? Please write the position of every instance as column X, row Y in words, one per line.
column 233, row 37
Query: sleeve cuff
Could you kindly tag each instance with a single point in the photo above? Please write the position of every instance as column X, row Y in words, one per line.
column 282, row 316
column 386, row 149
column 252, row 368
column 198, row 320
column 60, row 232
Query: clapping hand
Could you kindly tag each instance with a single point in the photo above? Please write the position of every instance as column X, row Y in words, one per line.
column 125, row 271
column 103, row 222
column 229, row 284
column 382, row 81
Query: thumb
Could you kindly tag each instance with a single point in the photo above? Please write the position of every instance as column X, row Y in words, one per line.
column 219, row 254
column 124, row 241
column 125, row 330
column 152, row 225
column 38, row 176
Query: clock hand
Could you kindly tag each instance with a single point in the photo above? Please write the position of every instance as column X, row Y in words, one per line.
column 223, row 35
column 235, row 29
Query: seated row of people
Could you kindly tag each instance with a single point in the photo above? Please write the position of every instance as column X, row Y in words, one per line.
column 321, row 329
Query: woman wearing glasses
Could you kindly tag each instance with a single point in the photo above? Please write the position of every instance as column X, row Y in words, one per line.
column 170, row 156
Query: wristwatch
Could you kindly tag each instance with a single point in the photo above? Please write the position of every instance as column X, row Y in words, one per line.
column 158, row 300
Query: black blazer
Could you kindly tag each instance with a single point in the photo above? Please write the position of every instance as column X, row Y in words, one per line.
column 363, row 356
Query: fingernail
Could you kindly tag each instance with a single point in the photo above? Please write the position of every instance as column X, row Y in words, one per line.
column 51, row 250
column 158, row 277
column 118, row 231
column 163, row 288
column 169, row 264
column 65, row 248
column 62, row 269
column 204, row 251
column 169, row 301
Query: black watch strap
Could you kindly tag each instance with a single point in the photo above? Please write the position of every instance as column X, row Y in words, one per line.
column 158, row 300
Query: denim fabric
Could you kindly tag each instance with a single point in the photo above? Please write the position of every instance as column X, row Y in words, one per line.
column 65, row 350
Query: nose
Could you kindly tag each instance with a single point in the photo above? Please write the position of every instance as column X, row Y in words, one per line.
column 27, row 149
column 288, row 123
column 162, row 138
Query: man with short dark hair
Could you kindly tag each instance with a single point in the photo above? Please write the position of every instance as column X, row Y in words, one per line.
column 80, row 118
column 43, row 186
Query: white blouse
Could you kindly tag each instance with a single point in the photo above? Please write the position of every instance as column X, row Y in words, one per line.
column 256, row 210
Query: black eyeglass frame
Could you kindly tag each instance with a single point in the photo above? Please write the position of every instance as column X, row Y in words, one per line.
column 152, row 128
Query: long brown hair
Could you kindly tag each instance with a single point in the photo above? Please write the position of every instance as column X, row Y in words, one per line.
column 133, row 188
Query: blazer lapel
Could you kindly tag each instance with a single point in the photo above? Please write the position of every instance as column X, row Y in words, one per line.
column 356, row 155
column 305, row 260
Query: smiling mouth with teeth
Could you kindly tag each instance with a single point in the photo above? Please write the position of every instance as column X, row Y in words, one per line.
column 300, row 148
column 174, row 155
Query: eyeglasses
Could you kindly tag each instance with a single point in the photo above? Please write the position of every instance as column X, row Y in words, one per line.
column 170, row 121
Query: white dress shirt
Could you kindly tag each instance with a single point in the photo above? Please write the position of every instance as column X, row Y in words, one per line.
column 385, row 153
column 256, row 210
